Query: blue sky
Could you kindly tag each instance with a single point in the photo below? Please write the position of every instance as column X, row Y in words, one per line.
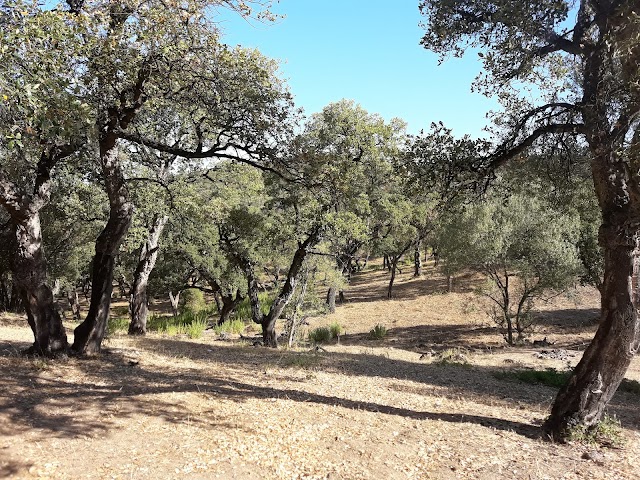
column 368, row 51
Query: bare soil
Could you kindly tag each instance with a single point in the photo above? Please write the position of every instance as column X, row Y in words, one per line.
column 173, row 408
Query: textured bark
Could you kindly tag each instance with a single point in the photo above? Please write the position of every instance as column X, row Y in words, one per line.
column 89, row 334
column 331, row 299
column 74, row 304
column 30, row 274
column 175, row 300
column 268, row 321
column 417, row 259
column 229, row 303
column 138, row 304
column 29, row 266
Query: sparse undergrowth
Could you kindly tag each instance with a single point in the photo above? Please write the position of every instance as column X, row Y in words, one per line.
column 606, row 433
column 556, row 378
column 378, row 332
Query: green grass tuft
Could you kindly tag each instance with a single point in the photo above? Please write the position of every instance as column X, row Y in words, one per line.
column 117, row 325
column 230, row 326
column 549, row 377
column 378, row 332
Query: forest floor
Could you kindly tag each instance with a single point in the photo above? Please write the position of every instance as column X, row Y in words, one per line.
column 434, row 399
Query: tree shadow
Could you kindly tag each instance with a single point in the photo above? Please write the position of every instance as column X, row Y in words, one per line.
column 421, row 338
column 112, row 380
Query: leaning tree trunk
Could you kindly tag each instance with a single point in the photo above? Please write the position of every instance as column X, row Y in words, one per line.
column 394, row 266
column 139, row 301
column 604, row 363
column 229, row 303
column 29, row 275
column 89, row 334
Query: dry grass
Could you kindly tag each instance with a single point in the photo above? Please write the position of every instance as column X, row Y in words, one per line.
column 161, row 407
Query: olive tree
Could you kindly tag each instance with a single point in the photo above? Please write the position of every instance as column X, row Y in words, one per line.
column 525, row 248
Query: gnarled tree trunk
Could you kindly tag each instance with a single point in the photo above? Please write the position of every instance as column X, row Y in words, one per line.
column 30, row 275
column 138, row 303
column 29, row 266
column 605, row 361
column 603, row 365
column 89, row 334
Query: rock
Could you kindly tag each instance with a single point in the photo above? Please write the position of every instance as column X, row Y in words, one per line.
column 594, row 456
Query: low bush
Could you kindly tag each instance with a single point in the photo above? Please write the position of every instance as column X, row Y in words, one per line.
column 378, row 332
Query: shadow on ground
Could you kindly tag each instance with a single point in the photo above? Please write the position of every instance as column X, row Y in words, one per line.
column 78, row 397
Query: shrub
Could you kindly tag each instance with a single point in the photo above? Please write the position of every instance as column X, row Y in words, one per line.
column 378, row 332
column 243, row 309
column 336, row 329
column 320, row 335
column 453, row 355
column 196, row 328
column 117, row 324
column 192, row 300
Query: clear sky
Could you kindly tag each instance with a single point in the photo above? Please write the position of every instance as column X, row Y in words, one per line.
column 368, row 51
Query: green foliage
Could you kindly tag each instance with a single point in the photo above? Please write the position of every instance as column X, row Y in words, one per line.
column 117, row 325
column 243, row 310
column 378, row 332
column 192, row 324
column 522, row 245
column 320, row 335
column 549, row 377
column 607, row 432
column 192, row 301
column 336, row 330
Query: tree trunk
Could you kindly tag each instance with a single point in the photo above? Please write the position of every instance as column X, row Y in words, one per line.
column 605, row 361
column 89, row 334
column 229, row 304
column 331, row 299
column 268, row 322
column 293, row 323
column 174, row 302
column 29, row 276
column 394, row 266
column 29, row 266
column 138, row 305
column 417, row 259
column 74, row 304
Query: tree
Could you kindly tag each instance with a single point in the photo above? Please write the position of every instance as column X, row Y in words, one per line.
column 522, row 245
column 156, row 77
column 42, row 123
column 583, row 58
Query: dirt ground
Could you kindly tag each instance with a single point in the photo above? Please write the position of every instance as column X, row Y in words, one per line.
column 172, row 408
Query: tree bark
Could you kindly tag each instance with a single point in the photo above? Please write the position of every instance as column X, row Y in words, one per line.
column 229, row 303
column 268, row 322
column 417, row 259
column 603, row 365
column 331, row 299
column 30, row 274
column 89, row 334
column 29, row 266
column 139, row 302
column 394, row 265
column 175, row 300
